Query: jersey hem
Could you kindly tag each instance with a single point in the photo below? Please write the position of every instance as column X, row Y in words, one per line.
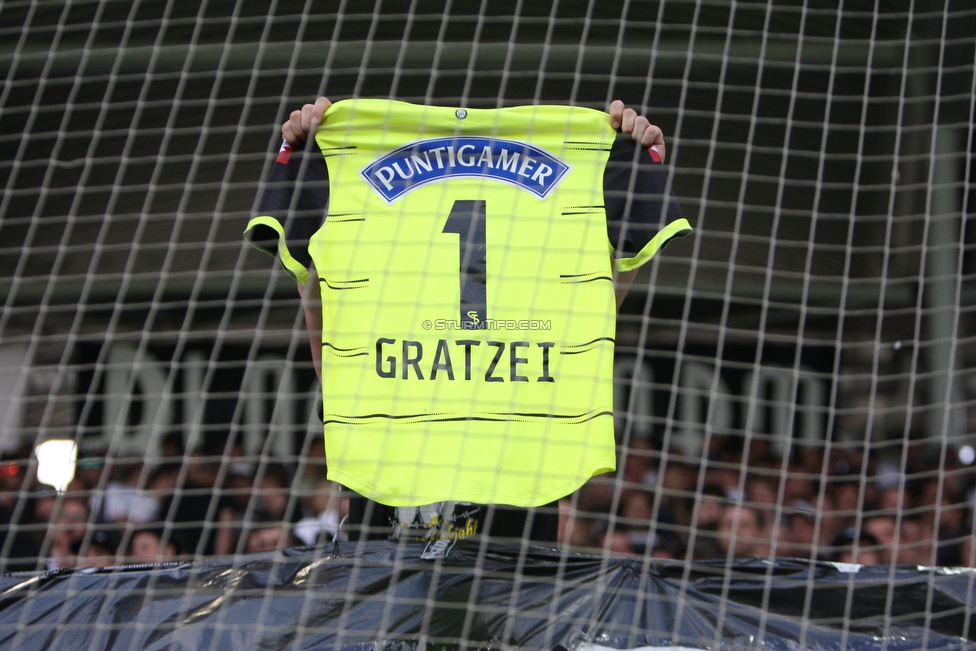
column 294, row 268
column 540, row 499
column 677, row 228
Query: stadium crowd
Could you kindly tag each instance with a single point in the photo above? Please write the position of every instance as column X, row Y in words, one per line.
column 897, row 504
column 910, row 506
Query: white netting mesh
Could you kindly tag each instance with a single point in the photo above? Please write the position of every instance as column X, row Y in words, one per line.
column 794, row 377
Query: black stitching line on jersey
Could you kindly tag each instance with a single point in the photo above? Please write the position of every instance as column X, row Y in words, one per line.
column 338, row 350
column 592, row 346
column 582, row 210
column 598, row 339
column 329, row 218
column 584, row 145
column 337, row 151
column 492, row 417
column 343, row 282
column 579, row 278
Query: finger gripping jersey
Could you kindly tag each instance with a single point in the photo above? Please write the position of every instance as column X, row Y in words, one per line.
column 467, row 301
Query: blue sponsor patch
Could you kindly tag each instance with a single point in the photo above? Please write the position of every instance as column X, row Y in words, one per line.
column 426, row 161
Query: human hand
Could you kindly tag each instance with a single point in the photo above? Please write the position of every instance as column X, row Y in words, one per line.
column 640, row 129
column 301, row 123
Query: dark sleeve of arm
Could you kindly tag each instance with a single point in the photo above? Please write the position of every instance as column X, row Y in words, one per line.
column 292, row 208
column 643, row 214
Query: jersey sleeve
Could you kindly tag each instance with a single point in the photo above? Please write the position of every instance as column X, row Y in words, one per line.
column 643, row 214
column 292, row 208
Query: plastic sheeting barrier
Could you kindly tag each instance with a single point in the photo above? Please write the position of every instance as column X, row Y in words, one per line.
column 384, row 596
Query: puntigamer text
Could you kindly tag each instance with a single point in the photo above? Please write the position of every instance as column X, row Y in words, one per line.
column 516, row 163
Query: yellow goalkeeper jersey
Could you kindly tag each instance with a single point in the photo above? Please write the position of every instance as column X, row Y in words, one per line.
column 467, row 300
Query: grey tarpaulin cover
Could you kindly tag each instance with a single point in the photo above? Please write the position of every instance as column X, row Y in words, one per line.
column 382, row 595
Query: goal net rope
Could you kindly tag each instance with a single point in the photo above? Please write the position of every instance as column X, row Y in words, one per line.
column 792, row 380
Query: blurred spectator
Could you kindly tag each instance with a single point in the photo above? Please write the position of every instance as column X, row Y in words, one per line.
column 656, row 542
column 760, row 451
column 274, row 493
column 596, row 495
column 830, row 522
column 893, row 499
column 706, row 518
column 740, row 532
column 636, row 507
column 313, row 469
column 762, row 492
column 666, row 546
column 854, row 546
column 237, row 491
column 847, row 499
column 616, row 541
column 329, row 508
column 123, row 500
column 171, row 448
column 800, row 535
column 636, row 463
column 203, row 466
column 92, row 464
column 68, row 523
column 812, row 460
column 192, row 509
column 267, row 533
column 799, row 485
column 574, row 526
column 643, row 529
column 882, row 528
column 147, row 547
column 942, row 505
column 237, row 462
column 915, row 544
column 99, row 550
column 677, row 486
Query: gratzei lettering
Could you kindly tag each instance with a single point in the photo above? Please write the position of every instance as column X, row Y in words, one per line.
column 426, row 161
column 451, row 359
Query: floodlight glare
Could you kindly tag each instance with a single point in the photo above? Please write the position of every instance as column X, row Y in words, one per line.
column 56, row 463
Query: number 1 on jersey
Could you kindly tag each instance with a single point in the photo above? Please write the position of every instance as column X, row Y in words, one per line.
column 467, row 219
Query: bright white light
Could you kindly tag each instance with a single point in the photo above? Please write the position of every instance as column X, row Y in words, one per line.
column 967, row 454
column 56, row 463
